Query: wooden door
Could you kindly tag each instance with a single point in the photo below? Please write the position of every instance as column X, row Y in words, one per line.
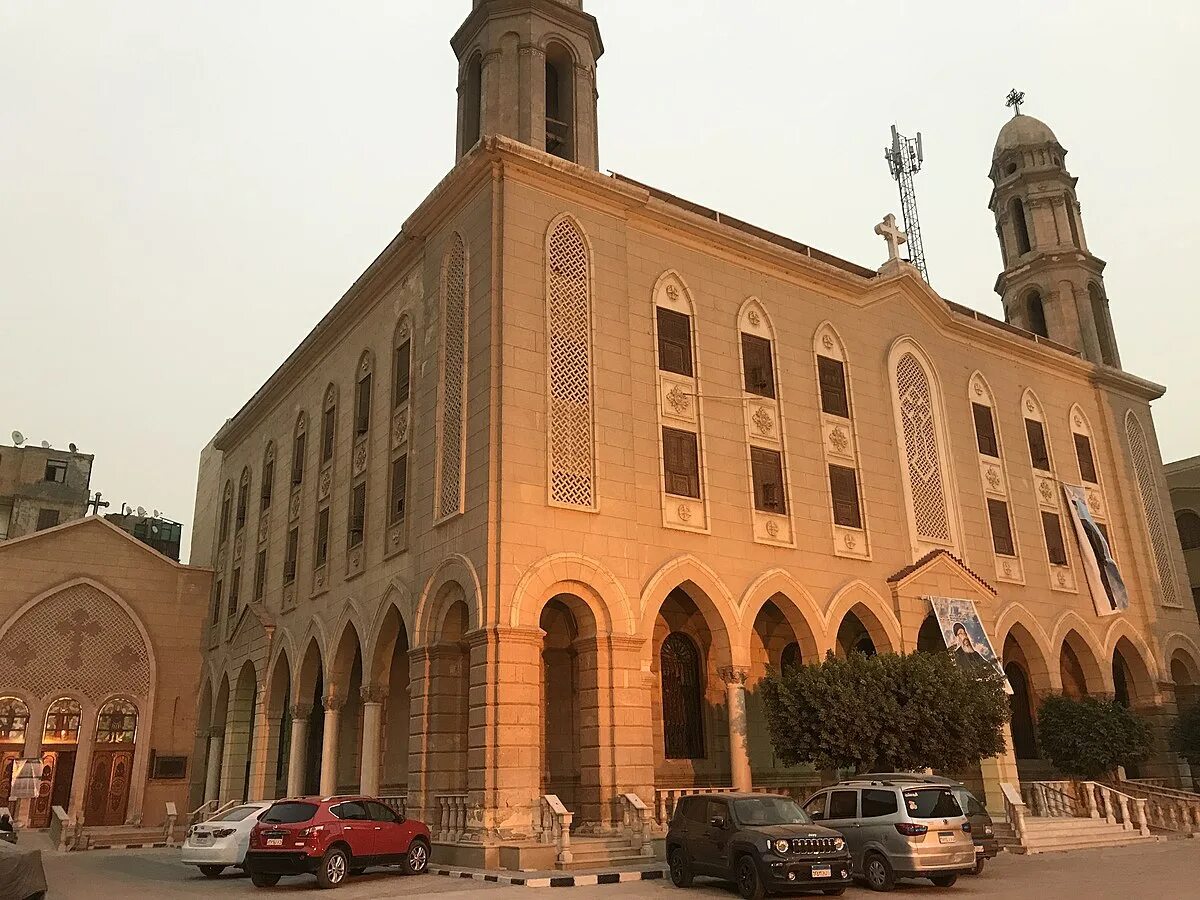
column 8, row 756
column 39, row 813
column 108, row 786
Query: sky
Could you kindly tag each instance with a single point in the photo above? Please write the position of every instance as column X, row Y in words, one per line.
column 186, row 187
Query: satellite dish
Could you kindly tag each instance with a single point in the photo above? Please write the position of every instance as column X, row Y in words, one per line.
column 157, row 514
column 45, row 445
column 73, row 448
column 18, row 438
column 142, row 511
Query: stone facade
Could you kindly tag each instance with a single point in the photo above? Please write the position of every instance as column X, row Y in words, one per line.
column 1183, row 478
column 573, row 473
column 41, row 487
column 99, row 637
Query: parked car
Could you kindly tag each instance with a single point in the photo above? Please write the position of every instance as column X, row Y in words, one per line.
column 982, row 831
column 223, row 840
column 333, row 837
column 21, row 874
column 898, row 830
column 8, row 828
column 761, row 842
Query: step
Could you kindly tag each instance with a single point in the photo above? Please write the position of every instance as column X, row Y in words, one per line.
column 1085, row 844
column 117, row 837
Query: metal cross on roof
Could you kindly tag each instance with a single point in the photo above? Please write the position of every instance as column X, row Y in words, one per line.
column 1015, row 99
column 96, row 504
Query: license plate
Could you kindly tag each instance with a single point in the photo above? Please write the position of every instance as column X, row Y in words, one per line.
column 822, row 872
column 945, row 838
column 274, row 842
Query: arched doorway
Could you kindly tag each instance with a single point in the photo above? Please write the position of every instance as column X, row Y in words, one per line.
column 388, row 685
column 279, row 712
column 446, row 708
column 109, row 771
column 14, row 724
column 308, row 724
column 346, row 679
column 682, row 697
column 60, row 745
column 929, row 638
column 1077, row 666
column 1183, row 669
column 239, row 736
column 778, row 642
column 858, row 632
column 1024, row 732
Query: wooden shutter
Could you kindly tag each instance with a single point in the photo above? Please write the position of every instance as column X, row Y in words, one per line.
column 399, row 489
column 1039, row 453
column 298, row 459
column 835, row 398
column 358, row 513
column 1087, row 462
column 681, row 464
column 362, row 412
column 327, row 435
column 402, row 363
column 767, row 469
column 260, row 575
column 289, row 560
column 1002, row 537
column 322, row 537
column 674, row 342
column 1052, row 527
column 843, row 485
column 985, row 430
column 758, row 369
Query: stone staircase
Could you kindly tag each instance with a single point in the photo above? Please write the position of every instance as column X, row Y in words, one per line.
column 99, row 837
column 605, row 852
column 1049, row 835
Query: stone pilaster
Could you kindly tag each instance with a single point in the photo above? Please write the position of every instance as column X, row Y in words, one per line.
column 333, row 704
column 735, row 706
column 297, row 752
column 372, row 696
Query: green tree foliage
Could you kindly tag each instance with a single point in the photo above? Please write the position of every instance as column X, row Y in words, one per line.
column 1185, row 735
column 1090, row 737
column 887, row 712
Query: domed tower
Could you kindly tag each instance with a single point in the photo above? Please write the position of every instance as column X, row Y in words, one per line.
column 1051, row 284
column 527, row 70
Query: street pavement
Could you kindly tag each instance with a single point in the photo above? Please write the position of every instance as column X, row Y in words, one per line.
column 1163, row 871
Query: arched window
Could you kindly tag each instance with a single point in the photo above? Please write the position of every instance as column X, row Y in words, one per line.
column 62, row 722
column 682, row 697
column 243, row 501
column 560, row 102
column 449, row 497
column 569, row 330
column 226, row 512
column 1072, row 210
column 362, row 396
column 299, row 438
column 328, row 424
column 14, row 719
column 117, row 723
column 401, row 363
column 917, row 405
column 473, row 102
column 1104, row 333
column 268, row 477
column 1036, row 314
column 1144, row 469
column 1023, row 732
column 1016, row 212
column 790, row 660
column 929, row 638
column 1188, row 524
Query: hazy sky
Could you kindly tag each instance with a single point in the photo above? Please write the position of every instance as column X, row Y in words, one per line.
column 187, row 187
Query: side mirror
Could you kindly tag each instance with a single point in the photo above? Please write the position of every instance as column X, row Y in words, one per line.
column 717, row 822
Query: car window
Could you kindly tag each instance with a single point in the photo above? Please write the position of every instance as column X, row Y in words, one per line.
column 351, row 809
column 815, row 807
column 237, row 814
column 932, row 803
column 969, row 804
column 380, row 812
column 876, row 803
column 843, row 804
column 770, row 811
column 290, row 812
column 714, row 809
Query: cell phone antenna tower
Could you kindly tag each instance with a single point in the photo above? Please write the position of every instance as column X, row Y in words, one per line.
column 904, row 158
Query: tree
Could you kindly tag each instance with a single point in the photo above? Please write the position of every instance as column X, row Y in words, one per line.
column 1090, row 737
column 886, row 712
column 1185, row 735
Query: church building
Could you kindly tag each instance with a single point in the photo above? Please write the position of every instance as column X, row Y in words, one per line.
column 513, row 535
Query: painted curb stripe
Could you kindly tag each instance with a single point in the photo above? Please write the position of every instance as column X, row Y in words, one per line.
column 554, row 881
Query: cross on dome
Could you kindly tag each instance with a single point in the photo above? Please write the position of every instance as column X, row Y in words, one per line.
column 1015, row 99
column 893, row 234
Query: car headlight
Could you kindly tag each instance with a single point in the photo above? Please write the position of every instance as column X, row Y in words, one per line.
column 839, row 844
column 780, row 846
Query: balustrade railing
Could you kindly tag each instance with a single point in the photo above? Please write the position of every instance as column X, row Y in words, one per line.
column 637, row 824
column 1087, row 799
column 210, row 810
column 666, row 798
column 1166, row 808
column 556, row 827
column 397, row 803
column 452, row 816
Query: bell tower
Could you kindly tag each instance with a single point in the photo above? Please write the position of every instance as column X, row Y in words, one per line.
column 1051, row 285
column 527, row 70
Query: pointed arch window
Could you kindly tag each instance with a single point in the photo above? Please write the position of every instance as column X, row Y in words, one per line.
column 569, row 334
column 328, row 424
column 1036, row 314
column 1016, row 211
column 452, row 425
column 1071, row 210
column 1144, row 469
column 362, row 397
column 298, row 447
column 14, row 720
column 1103, row 323
column 473, row 102
column 560, row 102
column 1188, row 524
column 682, row 697
column 401, row 364
column 226, row 513
column 62, row 721
column 926, row 480
column 243, row 501
column 267, row 489
column 117, row 723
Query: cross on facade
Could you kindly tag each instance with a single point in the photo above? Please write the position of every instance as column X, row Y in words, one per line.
column 76, row 627
column 1015, row 99
column 890, row 232
column 96, row 504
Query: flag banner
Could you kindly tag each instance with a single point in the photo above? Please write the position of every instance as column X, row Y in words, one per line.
column 1103, row 577
column 965, row 637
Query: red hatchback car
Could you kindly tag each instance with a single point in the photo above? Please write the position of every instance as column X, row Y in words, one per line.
column 333, row 837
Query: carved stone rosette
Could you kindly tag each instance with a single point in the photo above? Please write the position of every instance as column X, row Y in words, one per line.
column 324, row 481
column 319, row 581
column 264, row 526
column 360, row 457
column 294, row 504
column 239, row 542
column 400, row 426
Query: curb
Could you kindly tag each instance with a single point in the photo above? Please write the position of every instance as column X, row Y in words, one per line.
column 157, row 846
column 554, row 880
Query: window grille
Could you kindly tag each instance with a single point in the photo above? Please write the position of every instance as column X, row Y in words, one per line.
column 454, row 363
column 923, row 455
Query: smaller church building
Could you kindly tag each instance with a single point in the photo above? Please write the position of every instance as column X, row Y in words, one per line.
column 99, row 668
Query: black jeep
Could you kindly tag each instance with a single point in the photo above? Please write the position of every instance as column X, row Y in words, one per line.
column 760, row 842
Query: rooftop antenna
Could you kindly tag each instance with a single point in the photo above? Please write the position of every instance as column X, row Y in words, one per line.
column 45, row 445
column 904, row 159
column 18, row 439
column 141, row 511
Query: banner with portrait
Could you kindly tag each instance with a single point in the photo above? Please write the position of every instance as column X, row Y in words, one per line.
column 1109, row 594
column 965, row 636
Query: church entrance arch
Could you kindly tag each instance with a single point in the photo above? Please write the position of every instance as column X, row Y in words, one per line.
column 107, row 795
column 60, row 747
column 386, row 742
column 279, row 714
column 781, row 639
column 1078, row 668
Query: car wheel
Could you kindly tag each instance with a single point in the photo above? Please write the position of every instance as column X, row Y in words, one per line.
column 944, row 880
column 979, row 866
column 211, row 871
column 879, row 872
column 334, row 867
column 749, row 885
column 417, row 859
column 260, row 879
column 681, row 872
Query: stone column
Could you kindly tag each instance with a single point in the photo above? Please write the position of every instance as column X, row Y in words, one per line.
column 329, row 743
column 297, row 752
column 83, row 761
column 373, row 696
column 998, row 770
column 212, row 774
column 735, row 705
column 260, row 742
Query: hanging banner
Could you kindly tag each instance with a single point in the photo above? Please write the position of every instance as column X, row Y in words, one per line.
column 26, row 778
column 965, row 637
column 1103, row 577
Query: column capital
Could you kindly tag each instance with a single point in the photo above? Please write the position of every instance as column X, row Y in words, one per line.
column 217, row 731
column 373, row 693
column 333, row 702
column 497, row 634
column 300, row 710
column 734, row 674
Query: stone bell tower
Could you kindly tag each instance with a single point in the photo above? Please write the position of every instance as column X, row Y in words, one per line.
column 527, row 70
column 1051, row 285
